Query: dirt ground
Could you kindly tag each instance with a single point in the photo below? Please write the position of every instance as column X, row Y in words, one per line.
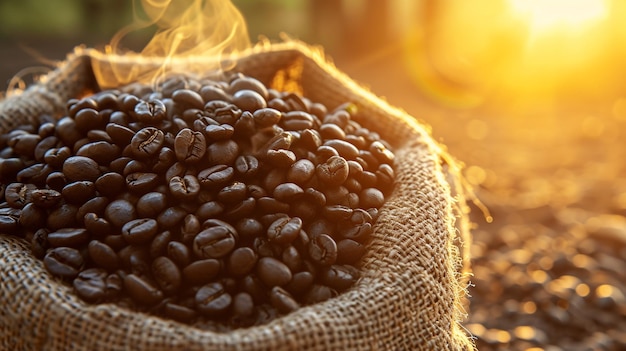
column 549, row 273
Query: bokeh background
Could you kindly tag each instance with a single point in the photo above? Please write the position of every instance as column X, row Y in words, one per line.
column 530, row 95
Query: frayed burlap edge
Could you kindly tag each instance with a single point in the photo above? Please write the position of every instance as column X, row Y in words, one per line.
column 413, row 289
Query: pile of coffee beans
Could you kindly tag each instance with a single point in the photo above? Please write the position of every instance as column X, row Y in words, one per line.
column 201, row 199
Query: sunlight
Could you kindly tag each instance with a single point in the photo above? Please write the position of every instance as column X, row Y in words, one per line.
column 551, row 14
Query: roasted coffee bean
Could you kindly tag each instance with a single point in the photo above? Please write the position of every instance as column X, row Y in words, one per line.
column 349, row 251
column 39, row 243
column 110, row 184
column 213, row 300
column 243, row 209
column 288, row 192
column 216, row 132
column 211, row 92
column 249, row 228
column 46, row 129
column 266, row 117
column 149, row 112
column 158, row 246
column 318, row 293
column 211, row 209
column 171, row 217
column 120, row 135
column 201, row 271
column 135, row 259
column 32, row 217
column 282, row 300
column 56, row 157
column 214, row 242
column 166, row 274
column 273, row 272
column 273, row 178
column 78, row 105
column 119, row 164
column 344, row 148
column 10, row 166
column 87, row 119
column 297, row 120
column 310, row 139
column 301, row 172
column 281, row 158
column 285, row 230
column 141, row 183
column 45, row 198
column 216, row 177
column 96, row 225
column 142, row 291
column 381, row 152
column 241, row 261
column 323, row 249
column 69, row 237
column 67, row 131
column 179, row 313
column 248, row 83
column 371, row 198
column 339, row 277
column 179, row 253
column 184, row 188
column 291, row 258
column 233, row 193
column 271, row 205
column 18, row 194
column 189, row 146
column 332, row 131
column 300, row 283
column 139, row 231
column 35, row 174
column 43, row 146
column 90, row 284
column 78, row 192
column 334, row 171
column 78, row 168
column 63, row 216
column 223, row 152
column 103, row 255
column 95, row 205
column 249, row 100
column 10, row 220
column 247, row 166
column 63, row 262
column 100, row 151
column 56, row 181
column 120, row 212
column 243, row 305
column 188, row 98
column 147, row 142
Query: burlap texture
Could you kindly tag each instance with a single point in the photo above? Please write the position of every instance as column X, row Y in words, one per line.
column 412, row 290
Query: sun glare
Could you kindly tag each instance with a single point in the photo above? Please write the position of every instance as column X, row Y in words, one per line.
column 552, row 14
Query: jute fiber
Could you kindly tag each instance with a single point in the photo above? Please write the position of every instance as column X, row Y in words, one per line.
column 412, row 290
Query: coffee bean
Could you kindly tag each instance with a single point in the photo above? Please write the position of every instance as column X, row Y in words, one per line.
column 10, row 166
column 43, row 146
column 212, row 299
column 201, row 271
column 243, row 209
column 188, row 98
column 349, row 251
column 100, row 151
column 184, row 188
column 247, row 166
column 216, row 176
column 243, row 305
column 189, row 146
column 233, row 193
column 171, row 217
column 288, row 192
column 78, row 192
column 96, row 225
column 179, row 253
column 63, row 262
column 318, row 293
column 214, row 242
column 141, row 183
column 90, row 284
column 120, row 212
column 249, row 100
column 241, row 261
column 67, row 131
column 334, row 171
column 166, row 274
column 142, row 291
column 63, row 216
column 151, row 111
column 285, row 230
column 323, row 249
column 45, row 198
column 332, row 131
column 70, row 237
column 103, row 255
column 120, row 135
column 110, row 184
column 266, row 117
column 78, row 168
column 210, row 93
column 147, row 142
column 222, row 152
column 301, row 172
column 32, row 217
column 158, row 246
column 179, row 313
column 211, row 209
column 297, row 120
column 139, row 231
column 282, row 300
column 18, row 194
column 344, row 148
column 292, row 258
column 339, row 277
column 248, row 83
column 371, row 197
column 35, row 174
column 10, row 220
column 381, row 152
column 300, row 283
column 273, row 272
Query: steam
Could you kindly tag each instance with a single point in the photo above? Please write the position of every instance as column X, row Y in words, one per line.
column 191, row 37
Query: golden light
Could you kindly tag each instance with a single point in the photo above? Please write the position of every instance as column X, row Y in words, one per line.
column 546, row 15
column 518, row 51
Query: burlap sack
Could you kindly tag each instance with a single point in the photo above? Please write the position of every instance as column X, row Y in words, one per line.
column 412, row 290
